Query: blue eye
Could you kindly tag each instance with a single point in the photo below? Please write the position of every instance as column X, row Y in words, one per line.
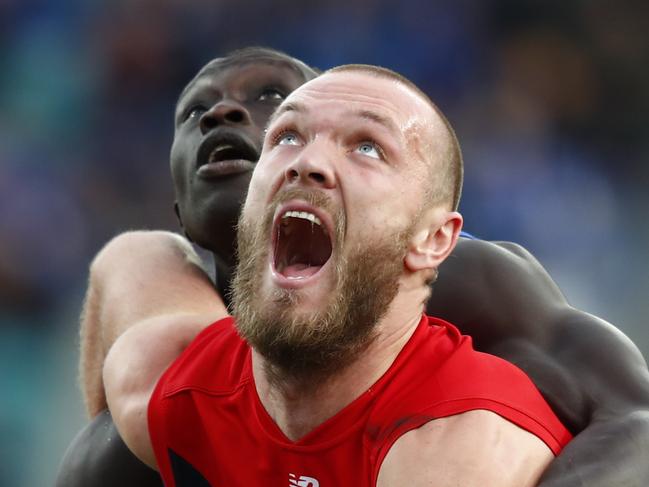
column 271, row 94
column 369, row 149
column 288, row 138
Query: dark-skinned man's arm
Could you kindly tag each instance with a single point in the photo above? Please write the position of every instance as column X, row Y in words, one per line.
column 592, row 375
column 98, row 457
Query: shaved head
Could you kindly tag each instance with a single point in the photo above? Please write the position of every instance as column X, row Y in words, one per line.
column 441, row 147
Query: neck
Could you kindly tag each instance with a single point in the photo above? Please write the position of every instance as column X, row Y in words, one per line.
column 297, row 408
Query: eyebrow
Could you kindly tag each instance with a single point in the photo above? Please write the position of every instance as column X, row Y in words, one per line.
column 369, row 115
column 288, row 107
column 377, row 118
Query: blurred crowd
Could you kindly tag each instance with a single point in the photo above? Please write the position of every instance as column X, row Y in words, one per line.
column 549, row 99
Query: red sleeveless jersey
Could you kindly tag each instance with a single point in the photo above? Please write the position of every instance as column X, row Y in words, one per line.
column 209, row 428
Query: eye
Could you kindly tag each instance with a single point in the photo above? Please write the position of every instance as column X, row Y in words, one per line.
column 369, row 149
column 194, row 112
column 287, row 138
column 271, row 94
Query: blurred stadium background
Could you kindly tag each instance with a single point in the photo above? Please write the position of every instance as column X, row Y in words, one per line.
column 550, row 100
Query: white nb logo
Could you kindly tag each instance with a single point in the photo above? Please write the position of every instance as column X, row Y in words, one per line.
column 302, row 481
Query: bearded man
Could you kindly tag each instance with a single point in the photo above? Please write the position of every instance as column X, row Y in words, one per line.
column 350, row 212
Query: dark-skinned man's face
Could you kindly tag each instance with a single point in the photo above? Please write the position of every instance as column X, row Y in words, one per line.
column 219, row 128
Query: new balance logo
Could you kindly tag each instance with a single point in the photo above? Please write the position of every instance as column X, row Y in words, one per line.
column 302, row 481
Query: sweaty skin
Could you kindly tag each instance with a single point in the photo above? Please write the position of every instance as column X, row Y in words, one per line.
column 495, row 291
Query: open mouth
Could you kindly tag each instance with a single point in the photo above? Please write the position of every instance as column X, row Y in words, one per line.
column 302, row 245
column 225, row 147
column 229, row 152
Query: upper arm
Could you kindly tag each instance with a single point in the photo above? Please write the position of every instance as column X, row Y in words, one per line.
column 496, row 291
column 477, row 448
column 133, row 367
column 607, row 367
column 502, row 296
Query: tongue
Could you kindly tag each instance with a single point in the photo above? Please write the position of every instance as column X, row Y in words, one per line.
column 299, row 270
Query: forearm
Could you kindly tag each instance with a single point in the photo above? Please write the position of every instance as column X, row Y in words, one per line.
column 97, row 456
column 607, row 453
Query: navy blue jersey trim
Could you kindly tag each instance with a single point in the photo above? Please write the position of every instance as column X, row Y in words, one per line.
column 468, row 235
column 185, row 475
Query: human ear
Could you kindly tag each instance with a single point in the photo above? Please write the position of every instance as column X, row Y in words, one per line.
column 434, row 240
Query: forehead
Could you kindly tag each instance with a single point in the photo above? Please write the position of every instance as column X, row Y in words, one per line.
column 221, row 74
column 354, row 91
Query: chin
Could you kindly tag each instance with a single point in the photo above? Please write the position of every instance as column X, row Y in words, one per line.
column 303, row 301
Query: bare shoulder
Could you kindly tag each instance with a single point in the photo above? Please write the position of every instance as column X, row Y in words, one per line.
column 493, row 290
column 143, row 246
column 143, row 274
column 475, row 448
column 498, row 291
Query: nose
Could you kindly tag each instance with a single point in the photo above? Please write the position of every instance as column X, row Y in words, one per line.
column 225, row 112
column 311, row 169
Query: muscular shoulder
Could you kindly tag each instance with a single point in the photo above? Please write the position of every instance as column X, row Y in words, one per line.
column 517, row 305
column 497, row 283
column 473, row 449
column 498, row 293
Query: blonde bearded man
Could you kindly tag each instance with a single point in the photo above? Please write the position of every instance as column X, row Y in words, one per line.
column 349, row 215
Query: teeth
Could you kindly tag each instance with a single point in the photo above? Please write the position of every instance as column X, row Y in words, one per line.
column 304, row 215
column 219, row 148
